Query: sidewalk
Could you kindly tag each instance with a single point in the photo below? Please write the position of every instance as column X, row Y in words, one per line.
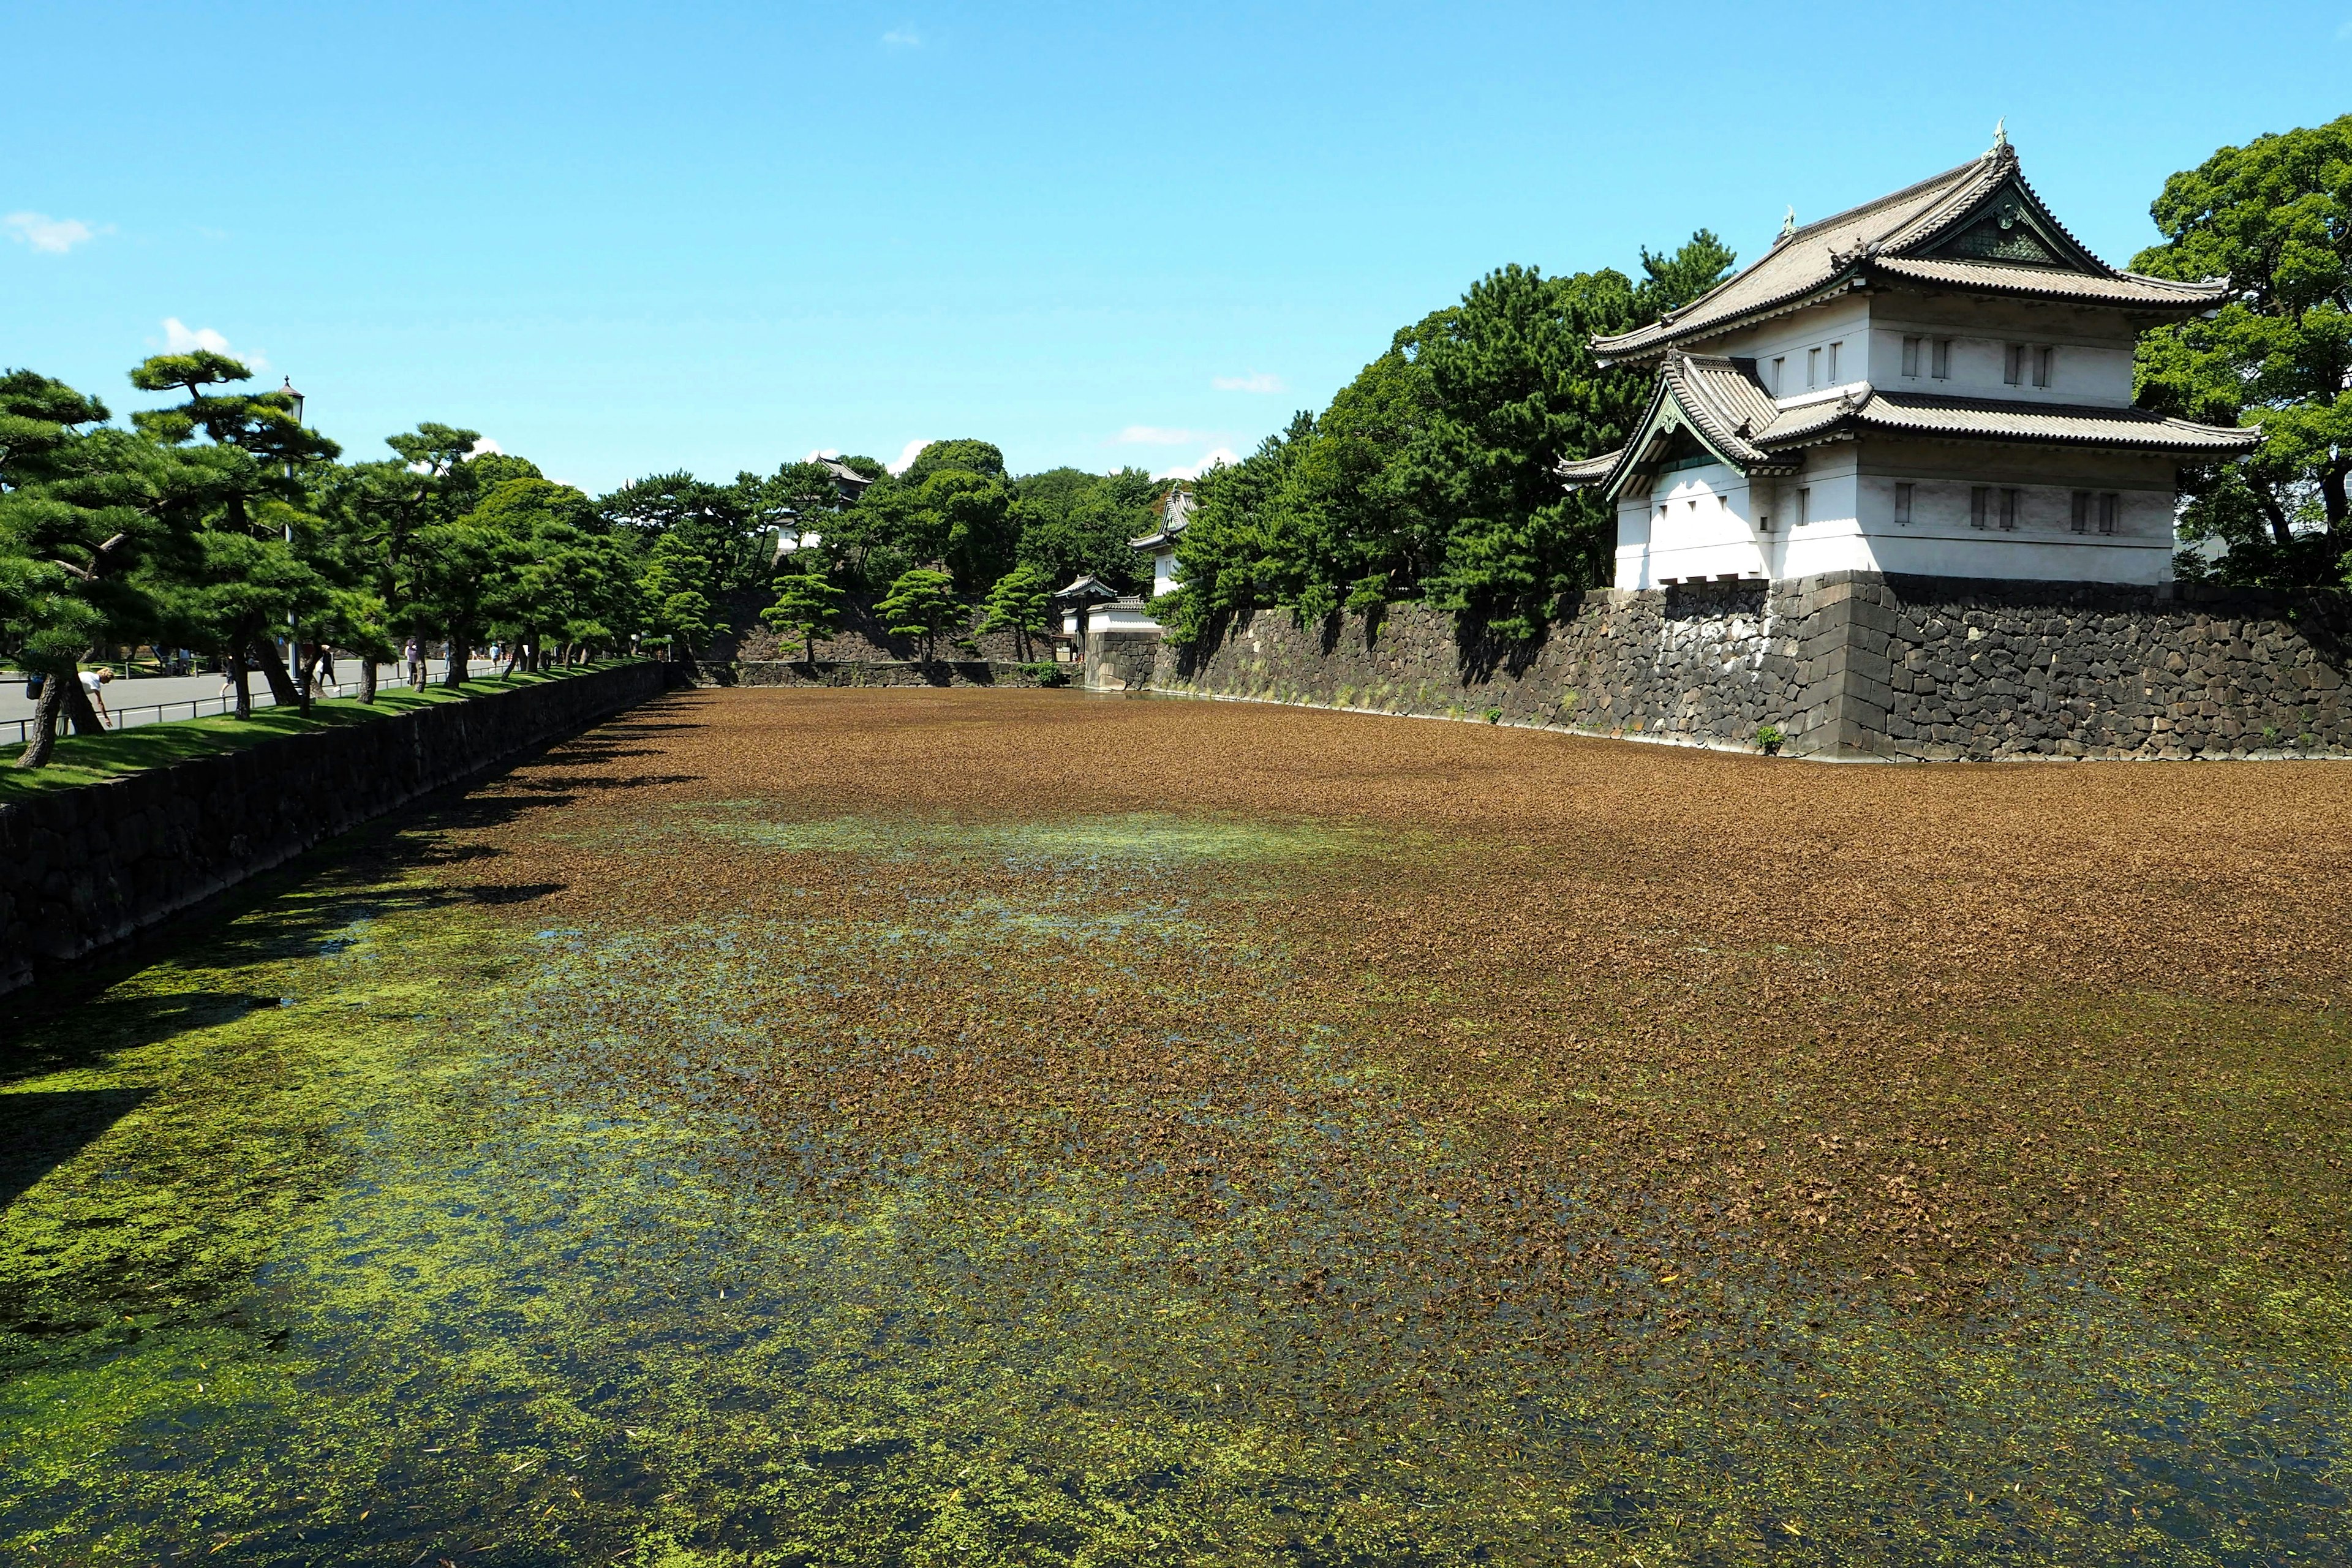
column 158, row 698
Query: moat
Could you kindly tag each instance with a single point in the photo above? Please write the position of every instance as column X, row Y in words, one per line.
column 911, row 1127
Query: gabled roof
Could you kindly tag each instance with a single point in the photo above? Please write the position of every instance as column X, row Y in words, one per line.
column 1089, row 589
column 1175, row 515
column 1724, row 409
column 1979, row 226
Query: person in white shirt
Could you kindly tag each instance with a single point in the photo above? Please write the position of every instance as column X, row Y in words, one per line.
column 93, row 682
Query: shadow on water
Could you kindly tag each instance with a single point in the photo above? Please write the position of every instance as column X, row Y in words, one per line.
column 42, row 1130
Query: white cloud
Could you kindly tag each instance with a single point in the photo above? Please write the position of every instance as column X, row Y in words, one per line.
column 485, row 445
column 1256, row 381
column 1215, row 458
column 55, row 234
column 1155, row 436
column 902, row 37
column 907, row 458
column 179, row 340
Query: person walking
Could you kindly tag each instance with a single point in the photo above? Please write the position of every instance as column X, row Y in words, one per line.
column 93, row 683
column 414, row 656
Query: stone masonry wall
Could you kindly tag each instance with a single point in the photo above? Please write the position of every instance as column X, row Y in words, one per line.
column 1702, row 664
column 1945, row 668
column 876, row 672
column 1851, row 665
column 81, row 869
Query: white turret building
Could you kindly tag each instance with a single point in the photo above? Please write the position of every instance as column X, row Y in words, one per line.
column 1938, row 383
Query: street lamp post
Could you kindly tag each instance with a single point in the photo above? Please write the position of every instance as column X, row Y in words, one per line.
column 293, row 637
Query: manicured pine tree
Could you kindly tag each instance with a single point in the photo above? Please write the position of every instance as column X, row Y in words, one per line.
column 1020, row 602
column 920, row 602
column 808, row 606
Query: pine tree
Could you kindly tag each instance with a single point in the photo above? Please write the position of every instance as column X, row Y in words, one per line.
column 808, row 605
column 1021, row 603
column 920, row 602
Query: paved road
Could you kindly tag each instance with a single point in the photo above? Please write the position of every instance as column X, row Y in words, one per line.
column 135, row 701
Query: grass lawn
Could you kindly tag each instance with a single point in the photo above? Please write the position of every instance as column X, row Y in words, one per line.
column 89, row 758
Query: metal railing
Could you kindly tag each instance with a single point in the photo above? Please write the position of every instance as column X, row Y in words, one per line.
column 119, row 718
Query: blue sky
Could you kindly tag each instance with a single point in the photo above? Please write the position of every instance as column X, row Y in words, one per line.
column 623, row 238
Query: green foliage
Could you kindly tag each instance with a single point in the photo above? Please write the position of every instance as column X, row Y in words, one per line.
column 1021, row 603
column 954, row 511
column 980, row 458
column 729, row 529
column 920, row 601
column 1769, row 739
column 2274, row 217
column 1045, row 672
column 1430, row 475
column 1073, row 524
column 808, row 606
column 677, row 610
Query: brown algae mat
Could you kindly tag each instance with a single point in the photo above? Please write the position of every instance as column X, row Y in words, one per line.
column 909, row 1127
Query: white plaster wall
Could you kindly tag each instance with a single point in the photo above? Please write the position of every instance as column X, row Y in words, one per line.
column 2098, row 374
column 1695, row 524
column 2093, row 365
column 1844, row 321
column 1941, row 540
column 1831, row 539
column 1163, row 573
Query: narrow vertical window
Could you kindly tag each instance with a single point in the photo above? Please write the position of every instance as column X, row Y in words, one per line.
column 1804, row 507
column 1778, row 366
column 1943, row 359
column 2012, row 369
column 2009, row 509
column 1903, row 503
column 1812, row 368
column 2110, row 505
column 1763, row 522
column 1833, row 359
column 1911, row 356
column 1979, row 504
column 2082, row 512
column 2042, row 358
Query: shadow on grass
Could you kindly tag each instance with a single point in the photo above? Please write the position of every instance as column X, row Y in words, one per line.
column 81, row 760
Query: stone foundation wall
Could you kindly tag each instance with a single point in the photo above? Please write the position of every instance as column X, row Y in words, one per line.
column 1945, row 668
column 1120, row 661
column 876, row 672
column 1852, row 665
column 83, row 868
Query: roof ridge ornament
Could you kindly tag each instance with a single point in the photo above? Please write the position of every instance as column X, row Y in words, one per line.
column 1789, row 223
column 1999, row 137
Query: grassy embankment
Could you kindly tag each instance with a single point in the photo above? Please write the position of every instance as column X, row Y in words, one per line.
column 90, row 759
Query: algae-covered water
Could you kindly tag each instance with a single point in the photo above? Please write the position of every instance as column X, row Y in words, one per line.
column 979, row 1193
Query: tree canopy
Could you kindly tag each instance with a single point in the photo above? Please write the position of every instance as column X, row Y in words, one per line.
column 1432, row 474
column 2274, row 217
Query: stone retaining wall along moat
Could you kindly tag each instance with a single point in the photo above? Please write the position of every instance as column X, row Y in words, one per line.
column 876, row 672
column 1851, row 664
column 84, row 868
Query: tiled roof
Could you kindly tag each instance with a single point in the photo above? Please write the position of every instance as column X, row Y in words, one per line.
column 1723, row 398
column 1980, row 418
column 1731, row 412
column 1588, row 470
column 1889, row 235
column 2001, row 277
column 1088, row 587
